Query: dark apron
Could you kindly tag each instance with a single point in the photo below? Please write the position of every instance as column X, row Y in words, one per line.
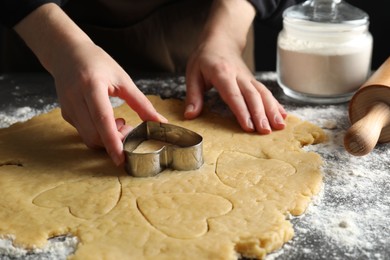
column 146, row 36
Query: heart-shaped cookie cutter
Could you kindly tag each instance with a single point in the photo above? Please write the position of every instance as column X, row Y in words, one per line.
column 184, row 150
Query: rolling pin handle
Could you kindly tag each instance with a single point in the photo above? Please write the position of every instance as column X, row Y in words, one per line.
column 363, row 135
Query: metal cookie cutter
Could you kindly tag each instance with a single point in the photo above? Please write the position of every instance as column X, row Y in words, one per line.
column 184, row 152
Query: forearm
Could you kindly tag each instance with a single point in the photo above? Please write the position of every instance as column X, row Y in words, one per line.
column 49, row 32
column 229, row 19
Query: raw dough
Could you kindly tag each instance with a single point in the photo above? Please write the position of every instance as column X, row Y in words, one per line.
column 235, row 204
column 149, row 146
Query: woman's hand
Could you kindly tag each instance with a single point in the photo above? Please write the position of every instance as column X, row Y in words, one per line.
column 217, row 62
column 85, row 78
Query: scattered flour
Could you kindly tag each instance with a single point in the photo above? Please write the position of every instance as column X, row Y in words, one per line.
column 20, row 114
column 57, row 248
column 349, row 219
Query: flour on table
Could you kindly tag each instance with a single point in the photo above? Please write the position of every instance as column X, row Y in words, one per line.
column 350, row 214
column 58, row 248
column 20, row 114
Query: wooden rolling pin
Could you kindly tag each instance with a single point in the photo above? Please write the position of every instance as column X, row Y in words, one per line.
column 369, row 113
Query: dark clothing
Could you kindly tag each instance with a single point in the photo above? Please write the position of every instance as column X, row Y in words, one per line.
column 142, row 36
column 159, row 38
column 12, row 11
column 268, row 23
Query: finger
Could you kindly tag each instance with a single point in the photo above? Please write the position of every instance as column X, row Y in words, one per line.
column 102, row 115
column 129, row 92
column 123, row 129
column 81, row 120
column 255, row 105
column 271, row 106
column 231, row 94
column 194, row 95
column 65, row 116
column 120, row 122
column 282, row 111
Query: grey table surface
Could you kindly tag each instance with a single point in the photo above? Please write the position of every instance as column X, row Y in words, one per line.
column 349, row 219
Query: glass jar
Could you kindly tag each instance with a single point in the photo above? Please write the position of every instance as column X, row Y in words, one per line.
column 324, row 51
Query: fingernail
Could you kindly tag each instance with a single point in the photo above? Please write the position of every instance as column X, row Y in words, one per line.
column 116, row 159
column 162, row 118
column 250, row 124
column 265, row 124
column 189, row 109
column 278, row 120
column 120, row 122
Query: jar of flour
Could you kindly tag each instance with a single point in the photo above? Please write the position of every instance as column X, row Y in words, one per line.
column 324, row 51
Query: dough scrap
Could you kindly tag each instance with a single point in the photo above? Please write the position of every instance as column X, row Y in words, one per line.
column 235, row 204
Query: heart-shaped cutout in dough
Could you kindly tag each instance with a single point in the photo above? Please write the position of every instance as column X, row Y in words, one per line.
column 182, row 215
column 79, row 196
column 239, row 170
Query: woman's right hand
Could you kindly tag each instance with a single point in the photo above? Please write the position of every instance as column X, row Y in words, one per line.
column 85, row 78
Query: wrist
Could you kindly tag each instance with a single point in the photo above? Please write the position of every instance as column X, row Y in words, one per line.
column 50, row 34
column 229, row 20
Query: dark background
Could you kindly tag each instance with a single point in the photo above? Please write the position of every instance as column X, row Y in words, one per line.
column 265, row 37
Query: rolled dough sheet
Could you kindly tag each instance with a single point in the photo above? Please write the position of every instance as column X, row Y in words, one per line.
column 235, row 204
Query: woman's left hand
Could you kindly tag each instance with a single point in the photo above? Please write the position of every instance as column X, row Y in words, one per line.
column 217, row 62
